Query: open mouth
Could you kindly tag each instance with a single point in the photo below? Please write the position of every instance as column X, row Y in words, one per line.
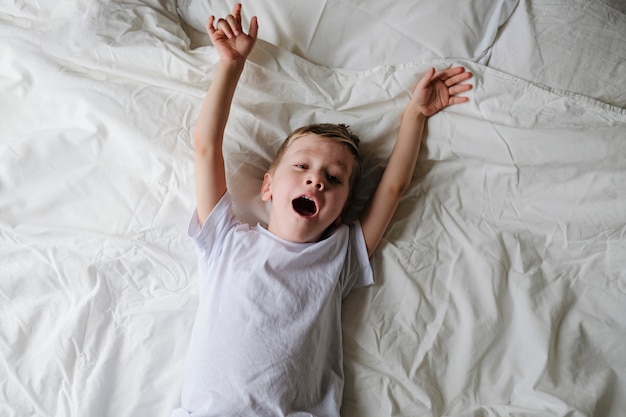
column 304, row 206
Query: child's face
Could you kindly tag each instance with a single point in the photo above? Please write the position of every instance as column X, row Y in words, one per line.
column 308, row 189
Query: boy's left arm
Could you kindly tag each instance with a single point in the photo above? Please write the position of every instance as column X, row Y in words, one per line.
column 434, row 92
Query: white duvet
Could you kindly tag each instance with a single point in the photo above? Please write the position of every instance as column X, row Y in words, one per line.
column 500, row 282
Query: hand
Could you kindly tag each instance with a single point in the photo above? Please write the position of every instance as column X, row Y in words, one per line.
column 436, row 91
column 228, row 37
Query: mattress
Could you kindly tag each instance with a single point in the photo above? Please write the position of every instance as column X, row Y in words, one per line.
column 500, row 283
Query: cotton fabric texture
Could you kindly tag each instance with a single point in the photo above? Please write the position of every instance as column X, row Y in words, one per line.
column 267, row 335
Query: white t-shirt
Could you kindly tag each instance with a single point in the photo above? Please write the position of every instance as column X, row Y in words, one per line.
column 267, row 337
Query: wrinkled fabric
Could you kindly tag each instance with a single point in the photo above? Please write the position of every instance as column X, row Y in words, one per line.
column 371, row 33
column 266, row 341
column 501, row 277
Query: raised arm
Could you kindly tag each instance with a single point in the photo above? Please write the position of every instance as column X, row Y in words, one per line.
column 233, row 46
column 434, row 92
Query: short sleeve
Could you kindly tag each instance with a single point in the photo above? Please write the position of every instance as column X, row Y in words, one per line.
column 357, row 271
column 215, row 227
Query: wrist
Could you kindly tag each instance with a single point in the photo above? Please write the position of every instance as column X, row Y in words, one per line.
column 232, row 65
column 412, row 113
column 229, row 69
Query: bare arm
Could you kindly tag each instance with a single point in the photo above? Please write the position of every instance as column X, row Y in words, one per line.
column 233, row 46
column 433, row 93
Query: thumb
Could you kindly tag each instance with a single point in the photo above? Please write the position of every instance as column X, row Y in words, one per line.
column 425, row 80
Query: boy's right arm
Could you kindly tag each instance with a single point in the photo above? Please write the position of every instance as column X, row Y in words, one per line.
column 233, row 46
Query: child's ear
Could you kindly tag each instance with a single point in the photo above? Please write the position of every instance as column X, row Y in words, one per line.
column 266, row 191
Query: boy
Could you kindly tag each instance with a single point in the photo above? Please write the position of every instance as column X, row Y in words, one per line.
column 267, row 336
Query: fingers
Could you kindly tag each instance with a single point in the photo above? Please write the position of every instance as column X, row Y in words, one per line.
column 236, row 13
column 209, row 25
column 460, row 88
column 452, row 79
column 254, row 28
column 454, row 88
column 438, row 90
column 456, row 81
column 449, row 72
column 453, row 76
column 457, row 100
column 230, row 26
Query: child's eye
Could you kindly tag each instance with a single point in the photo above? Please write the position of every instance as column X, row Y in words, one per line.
column 300, row 166
column 334, row 180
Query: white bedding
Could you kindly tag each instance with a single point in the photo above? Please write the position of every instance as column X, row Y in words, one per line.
column 500, row 283
column 361, row 34
column 575, row 45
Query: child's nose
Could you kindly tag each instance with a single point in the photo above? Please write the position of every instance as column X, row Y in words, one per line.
column 316, row 182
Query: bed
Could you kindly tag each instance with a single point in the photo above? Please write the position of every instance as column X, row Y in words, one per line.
column 501, row 280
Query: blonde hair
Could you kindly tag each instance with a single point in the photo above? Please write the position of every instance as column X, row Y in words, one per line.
column 339, row 133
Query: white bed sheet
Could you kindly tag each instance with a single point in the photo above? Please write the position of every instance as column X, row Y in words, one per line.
column 577, row 46
column 501, row 281
column 361, row 34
